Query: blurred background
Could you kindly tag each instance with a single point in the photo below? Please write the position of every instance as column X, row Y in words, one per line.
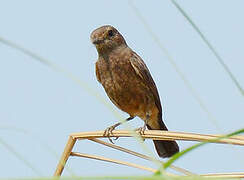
column 40, row 106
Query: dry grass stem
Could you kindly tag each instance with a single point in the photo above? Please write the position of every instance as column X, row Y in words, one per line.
column 67, row 150
column 163, row 135
column 225, row 175
column 148, row 134
column 141, row 156
column 101, row 158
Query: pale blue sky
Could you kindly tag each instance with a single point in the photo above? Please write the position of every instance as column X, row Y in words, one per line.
column 50, row 106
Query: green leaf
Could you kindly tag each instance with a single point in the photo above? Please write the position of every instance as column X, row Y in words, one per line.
column 226, row 68
column 180, row 154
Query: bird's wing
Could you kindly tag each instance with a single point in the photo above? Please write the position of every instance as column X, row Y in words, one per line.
column 142, row 71
column 97, row 73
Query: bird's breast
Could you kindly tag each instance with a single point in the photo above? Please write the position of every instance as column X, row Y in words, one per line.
column 123, row 86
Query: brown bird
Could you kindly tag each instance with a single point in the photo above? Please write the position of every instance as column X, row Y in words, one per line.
column 129, row 85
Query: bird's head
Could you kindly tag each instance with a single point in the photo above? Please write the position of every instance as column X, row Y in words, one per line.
column 106, row 39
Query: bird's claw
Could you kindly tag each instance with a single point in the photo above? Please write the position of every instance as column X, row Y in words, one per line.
column 141, row 130
column 109, row 132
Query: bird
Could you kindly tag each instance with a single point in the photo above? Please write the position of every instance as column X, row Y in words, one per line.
column 129, row 84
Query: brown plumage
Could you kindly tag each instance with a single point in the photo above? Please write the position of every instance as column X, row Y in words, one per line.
column 128, row 83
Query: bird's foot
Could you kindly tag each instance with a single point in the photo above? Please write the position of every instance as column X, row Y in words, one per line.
column 141, row 130
column 109, row 132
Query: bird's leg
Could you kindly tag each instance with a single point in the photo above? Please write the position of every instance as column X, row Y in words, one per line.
column 109, row 131
column 128, row 119
column 141, row 130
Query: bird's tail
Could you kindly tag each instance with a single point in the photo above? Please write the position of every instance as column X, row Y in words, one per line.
column 164, row 148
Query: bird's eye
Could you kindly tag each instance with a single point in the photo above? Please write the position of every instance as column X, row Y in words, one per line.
column 110, row 33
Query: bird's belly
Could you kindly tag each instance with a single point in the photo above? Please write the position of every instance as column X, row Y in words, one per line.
column 128, row 93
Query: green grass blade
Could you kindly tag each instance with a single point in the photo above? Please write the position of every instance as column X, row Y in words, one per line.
column 187, row 83
column 180, row 154
column 85, row 86
column 20, row 157
column 123, row 178
column 210, row 47
column 57, row 68
column 37, row 138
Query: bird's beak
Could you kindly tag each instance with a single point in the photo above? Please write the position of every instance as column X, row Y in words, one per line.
column 97, row 41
